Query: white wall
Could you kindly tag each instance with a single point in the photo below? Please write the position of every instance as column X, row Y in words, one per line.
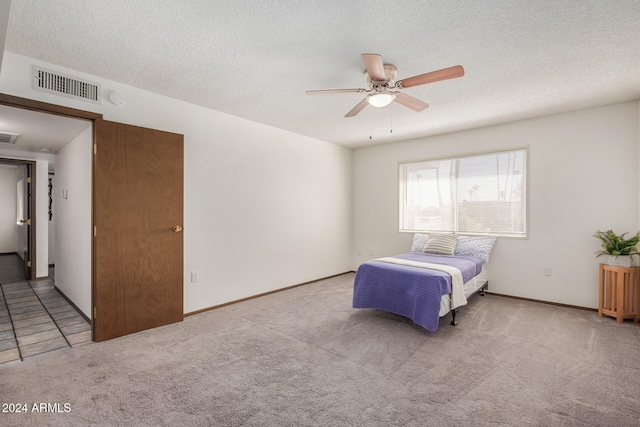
column 264, row 208
column 5, row 9
column 73, row 220
column 8, row 234
column 583, row 176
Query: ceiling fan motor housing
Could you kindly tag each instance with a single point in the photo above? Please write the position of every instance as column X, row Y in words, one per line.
column 390, row 73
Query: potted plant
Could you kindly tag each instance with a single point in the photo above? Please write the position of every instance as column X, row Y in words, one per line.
column 618, row 249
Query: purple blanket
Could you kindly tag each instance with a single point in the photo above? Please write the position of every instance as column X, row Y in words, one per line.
column 410, row 291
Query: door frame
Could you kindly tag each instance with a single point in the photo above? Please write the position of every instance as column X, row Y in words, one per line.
column 43, row 107
column 30, row 192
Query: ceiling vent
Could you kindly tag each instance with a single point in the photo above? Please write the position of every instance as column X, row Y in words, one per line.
column 60, row 84
column 8, row 138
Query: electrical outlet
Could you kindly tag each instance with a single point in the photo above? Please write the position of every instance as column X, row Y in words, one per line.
column 194, row 276
column 547, row 271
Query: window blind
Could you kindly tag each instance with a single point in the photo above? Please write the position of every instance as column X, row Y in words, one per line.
column 476, row 194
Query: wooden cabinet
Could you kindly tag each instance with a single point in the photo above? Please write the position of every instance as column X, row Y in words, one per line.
column 619, row 293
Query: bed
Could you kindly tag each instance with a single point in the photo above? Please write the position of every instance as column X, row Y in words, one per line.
column 424, row 286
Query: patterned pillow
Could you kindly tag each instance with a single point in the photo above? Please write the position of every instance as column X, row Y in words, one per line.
column 444, row 244
column 476, row 246
column 419, row 242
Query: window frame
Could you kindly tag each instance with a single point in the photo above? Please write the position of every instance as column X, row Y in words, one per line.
column 402, row 194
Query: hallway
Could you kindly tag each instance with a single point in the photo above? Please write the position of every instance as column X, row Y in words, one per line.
column 34, row 317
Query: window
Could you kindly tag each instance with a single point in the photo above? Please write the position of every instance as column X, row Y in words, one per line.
column 476, row 194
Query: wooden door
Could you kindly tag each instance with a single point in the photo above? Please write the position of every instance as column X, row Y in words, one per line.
column 137, row 270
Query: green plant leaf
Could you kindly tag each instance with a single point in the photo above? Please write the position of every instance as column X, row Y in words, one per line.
column 617, row 245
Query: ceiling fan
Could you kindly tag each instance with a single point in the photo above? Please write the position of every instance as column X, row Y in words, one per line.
column 382, row 85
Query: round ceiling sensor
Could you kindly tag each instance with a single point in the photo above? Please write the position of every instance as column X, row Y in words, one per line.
column 117, row 98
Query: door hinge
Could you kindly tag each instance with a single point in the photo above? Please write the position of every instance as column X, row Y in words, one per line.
column 28, row 180
column 28, row 263
column 95, row 231
column 94, row 313
column 95, row 149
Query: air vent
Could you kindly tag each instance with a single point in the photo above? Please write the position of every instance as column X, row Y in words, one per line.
column 8, row 138
column 60, row 84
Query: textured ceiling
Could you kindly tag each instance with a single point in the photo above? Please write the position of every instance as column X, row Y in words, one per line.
column 255, row 59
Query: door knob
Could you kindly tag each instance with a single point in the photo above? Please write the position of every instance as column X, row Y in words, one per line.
column 177, row 228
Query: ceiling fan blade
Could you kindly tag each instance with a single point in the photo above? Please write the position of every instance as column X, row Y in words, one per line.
column 355, row 110
column 330, row 91
column 409, row 101
column 374, row 65
column 432, row 77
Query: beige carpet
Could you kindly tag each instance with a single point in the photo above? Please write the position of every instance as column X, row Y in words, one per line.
column 304, row 357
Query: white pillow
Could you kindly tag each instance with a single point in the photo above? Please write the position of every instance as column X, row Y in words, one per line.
column 476, row 246
column 419, row 242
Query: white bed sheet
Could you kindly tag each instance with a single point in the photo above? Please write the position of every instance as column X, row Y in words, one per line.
column 469, row 288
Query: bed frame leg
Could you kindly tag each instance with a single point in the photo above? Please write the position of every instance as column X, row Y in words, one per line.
column 453, row 317
column 455, row 310
column 483, row 288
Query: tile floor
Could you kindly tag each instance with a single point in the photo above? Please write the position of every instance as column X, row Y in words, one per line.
column 36, row 319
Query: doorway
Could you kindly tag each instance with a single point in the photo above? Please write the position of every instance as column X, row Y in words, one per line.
column 19, row 223
column 34, row 317
column 128, row 294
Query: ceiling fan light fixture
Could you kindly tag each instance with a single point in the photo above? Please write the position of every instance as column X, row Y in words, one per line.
column 381, row 100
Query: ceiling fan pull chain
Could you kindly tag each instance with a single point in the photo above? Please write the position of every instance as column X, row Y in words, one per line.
column 370, row 131
column 391, row 119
